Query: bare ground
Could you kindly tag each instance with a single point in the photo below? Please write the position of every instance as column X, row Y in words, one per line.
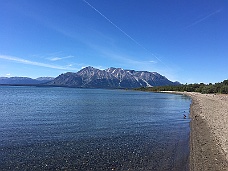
column 209, row 132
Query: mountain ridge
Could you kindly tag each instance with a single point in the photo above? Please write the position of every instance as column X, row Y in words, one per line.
column 24, row 80
column 90, row 77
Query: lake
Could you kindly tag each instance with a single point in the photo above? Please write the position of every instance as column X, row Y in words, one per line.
column 56, row 128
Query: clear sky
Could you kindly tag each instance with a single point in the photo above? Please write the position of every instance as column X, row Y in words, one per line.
column 184, row 40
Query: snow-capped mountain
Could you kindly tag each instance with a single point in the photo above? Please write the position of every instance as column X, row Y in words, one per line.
column 111, row 78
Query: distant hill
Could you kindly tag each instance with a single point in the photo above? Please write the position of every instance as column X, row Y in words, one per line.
column 90, row 77
column 24, row 80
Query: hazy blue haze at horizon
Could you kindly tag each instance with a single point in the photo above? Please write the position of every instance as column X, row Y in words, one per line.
column 48, row 128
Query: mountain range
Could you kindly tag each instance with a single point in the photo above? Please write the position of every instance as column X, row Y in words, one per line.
column 24, row 80
column 91, row 77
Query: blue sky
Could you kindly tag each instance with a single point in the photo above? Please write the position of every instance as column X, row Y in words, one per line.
column 184, row 40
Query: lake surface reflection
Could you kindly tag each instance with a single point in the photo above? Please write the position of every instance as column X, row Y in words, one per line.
column 92, row 129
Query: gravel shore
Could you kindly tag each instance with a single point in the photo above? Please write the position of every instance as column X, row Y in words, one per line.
column 209, row 131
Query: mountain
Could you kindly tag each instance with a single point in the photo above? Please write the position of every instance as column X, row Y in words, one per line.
column 24, row 80
column 90, row 77
column 111, row 78
column 45, row 79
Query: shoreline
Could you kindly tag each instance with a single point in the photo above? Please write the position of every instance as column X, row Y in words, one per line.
column 209, row 131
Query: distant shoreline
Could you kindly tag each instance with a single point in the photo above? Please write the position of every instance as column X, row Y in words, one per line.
column 45, row 85
column 209, row 131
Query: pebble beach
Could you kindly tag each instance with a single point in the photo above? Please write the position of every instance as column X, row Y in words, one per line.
column 209, row 131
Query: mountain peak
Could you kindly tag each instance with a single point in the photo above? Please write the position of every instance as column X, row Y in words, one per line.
column 88, row 68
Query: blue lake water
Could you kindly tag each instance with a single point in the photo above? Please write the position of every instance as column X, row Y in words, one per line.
column 51, row 128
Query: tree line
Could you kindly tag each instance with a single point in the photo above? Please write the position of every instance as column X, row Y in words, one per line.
column 221, row 87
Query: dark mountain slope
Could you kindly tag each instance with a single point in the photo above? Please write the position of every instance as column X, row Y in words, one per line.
column 111, row 78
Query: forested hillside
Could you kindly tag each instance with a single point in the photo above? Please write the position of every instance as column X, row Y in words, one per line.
column 202, row 88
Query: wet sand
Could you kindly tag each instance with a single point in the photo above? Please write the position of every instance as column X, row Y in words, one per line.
column 209, row 132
